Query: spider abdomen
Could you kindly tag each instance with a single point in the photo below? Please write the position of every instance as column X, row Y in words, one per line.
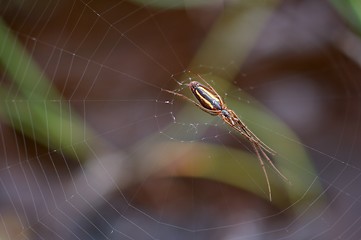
column 206, row 97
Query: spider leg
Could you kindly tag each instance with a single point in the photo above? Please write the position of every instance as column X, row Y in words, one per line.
column 180, row 95
column 212, row 112
column 250, row 134
column 262, row 150
column 256, row 139
column 257, row 145
column 274, row 167
column 240, row 130
column 256, row 149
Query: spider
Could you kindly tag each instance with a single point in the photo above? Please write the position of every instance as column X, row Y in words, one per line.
column 210, row 102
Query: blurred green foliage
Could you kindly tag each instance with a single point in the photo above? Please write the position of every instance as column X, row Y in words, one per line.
column 33, row 106
column 350, row 10
column 36, row 109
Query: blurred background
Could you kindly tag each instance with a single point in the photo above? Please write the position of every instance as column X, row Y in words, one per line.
column 92, row 148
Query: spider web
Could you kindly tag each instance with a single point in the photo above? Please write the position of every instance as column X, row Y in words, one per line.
column 92, row 148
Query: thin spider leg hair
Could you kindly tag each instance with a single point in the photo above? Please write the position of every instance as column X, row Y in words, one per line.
column 256, row 149
column 212, row 112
